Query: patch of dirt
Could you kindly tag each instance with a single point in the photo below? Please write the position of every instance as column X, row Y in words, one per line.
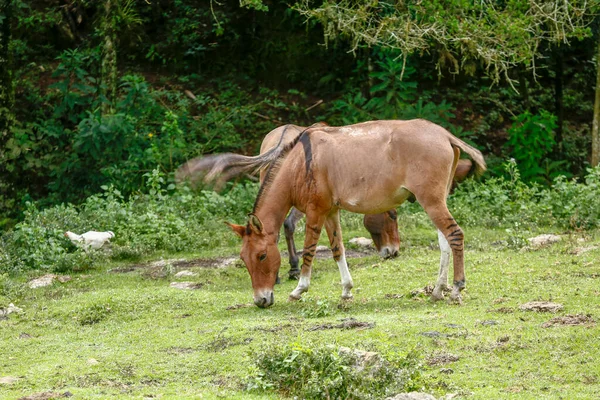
column 186, row 285
column 218, row 262
column 324, row 253
column 541, row 306
column 47, row 280
column 394, row 296
column 571, row 320
column 221, row 343
column 47, row 396
column 488, row 322
column 426, row 291
column 238, row 306
column 442, row 358
column 582, row 250
column 180, row 350
column 579, row 274
column 436, row 334
column 273, row 329
column 503, row 310
column 347, row 323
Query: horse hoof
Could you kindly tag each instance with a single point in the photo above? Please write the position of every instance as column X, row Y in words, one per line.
column 294, row 275
column 348, row 296
column 437, row 296
column 455, row 299
column 293, row 298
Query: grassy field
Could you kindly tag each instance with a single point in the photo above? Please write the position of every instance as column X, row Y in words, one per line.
column 121, row 331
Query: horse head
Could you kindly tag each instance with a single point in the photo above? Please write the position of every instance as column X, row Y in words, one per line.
column 383, row 228
column 262, row 258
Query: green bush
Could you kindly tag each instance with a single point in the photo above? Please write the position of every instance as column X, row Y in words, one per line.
column 324, row 372
column 163, row 220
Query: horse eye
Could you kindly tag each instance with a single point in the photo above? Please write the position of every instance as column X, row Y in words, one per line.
column 393, row 216
column 262, row 257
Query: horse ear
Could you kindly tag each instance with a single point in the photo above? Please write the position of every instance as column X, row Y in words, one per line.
column 239, row 230
column 255, row 224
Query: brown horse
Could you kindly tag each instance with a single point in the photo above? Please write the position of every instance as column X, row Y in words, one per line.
column 366, row 168
column 383, row 227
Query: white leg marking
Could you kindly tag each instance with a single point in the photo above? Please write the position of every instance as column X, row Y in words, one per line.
column 346, row 278
column 303, row 284
column 442, row 281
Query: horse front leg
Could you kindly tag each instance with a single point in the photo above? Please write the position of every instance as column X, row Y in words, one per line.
column 289, row 228
column 314, row 224
column 334, row 231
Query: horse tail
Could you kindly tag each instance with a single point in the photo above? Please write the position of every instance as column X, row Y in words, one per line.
column 219, row 168
column 479, row 166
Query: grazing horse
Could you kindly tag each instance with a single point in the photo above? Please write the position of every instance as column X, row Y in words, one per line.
column 365, row 168
column 382, row 227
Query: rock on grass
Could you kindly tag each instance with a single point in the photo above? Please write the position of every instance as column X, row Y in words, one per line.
column 541, row 306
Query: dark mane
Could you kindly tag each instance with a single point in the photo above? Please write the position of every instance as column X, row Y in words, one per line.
column 274, row 167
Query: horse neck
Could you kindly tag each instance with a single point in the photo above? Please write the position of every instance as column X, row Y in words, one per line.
column 274, row 207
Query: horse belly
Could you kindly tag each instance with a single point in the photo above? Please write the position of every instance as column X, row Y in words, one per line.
column 373, row 201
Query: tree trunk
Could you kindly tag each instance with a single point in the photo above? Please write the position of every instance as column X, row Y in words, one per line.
column 7, row 92
column 595, row 136
column 109, row 57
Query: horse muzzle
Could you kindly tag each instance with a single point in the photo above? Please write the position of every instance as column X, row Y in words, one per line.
column 388, row 252
column 264, row 299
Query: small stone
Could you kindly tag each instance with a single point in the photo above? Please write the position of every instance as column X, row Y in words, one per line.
column 42, row 281
column 489, row 322
column 63, row 278
column 4, row 312
column 361, row 242
column 185, row 273
column 186, row 285
column 92, row 361
column 322, row 248
column 8, row 380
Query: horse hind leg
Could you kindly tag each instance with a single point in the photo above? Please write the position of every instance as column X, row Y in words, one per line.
column 289, row 229
column 454, row 239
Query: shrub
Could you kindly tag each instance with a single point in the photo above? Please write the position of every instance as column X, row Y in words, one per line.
column 325, row 372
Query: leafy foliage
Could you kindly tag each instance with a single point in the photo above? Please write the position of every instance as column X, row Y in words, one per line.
column 323, row 372
column 531, row 139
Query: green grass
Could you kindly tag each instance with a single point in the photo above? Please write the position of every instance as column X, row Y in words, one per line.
column 128, row 335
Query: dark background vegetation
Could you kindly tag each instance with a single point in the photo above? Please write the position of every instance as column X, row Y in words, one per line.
column 199, row 76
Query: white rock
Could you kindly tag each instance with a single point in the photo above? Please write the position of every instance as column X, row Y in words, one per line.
column 8, row 380
column 185, row 273
column 361, row 241
column 322, row 248
column 42, row 281
column 543, row 240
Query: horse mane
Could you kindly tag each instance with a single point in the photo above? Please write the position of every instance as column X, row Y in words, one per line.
column 219, row 168
column 274, row 168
